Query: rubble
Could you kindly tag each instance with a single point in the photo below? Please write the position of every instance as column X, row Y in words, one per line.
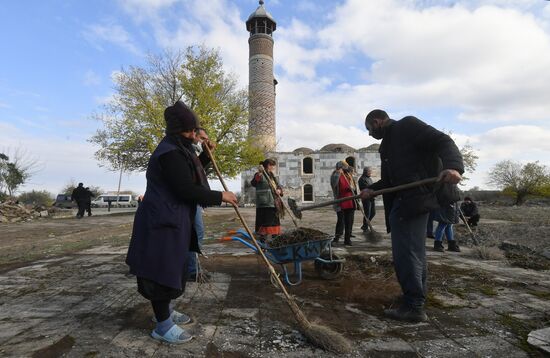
column 12, row 211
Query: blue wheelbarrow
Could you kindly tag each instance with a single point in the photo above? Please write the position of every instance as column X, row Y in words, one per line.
column 327, row 264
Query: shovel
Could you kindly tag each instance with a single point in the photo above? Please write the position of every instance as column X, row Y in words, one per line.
column 298, row 211
column 274, row 190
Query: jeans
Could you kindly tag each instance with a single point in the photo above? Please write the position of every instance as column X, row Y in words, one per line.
column 199, row 228
column 446, row 229
column 408, row 237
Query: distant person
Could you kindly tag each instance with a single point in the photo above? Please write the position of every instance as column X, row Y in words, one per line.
column 164, row 230
column 368, row 205
column 343, row 185
column 446, row 216
column 88, row 200
column 470, row 211
column 79, row 195
column 269, row 207
column 139, row 199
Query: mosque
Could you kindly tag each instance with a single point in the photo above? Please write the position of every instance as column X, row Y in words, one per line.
column 304, row 173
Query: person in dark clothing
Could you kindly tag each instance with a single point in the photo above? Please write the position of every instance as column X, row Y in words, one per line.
column 470, row 211
column 411, row 150
column 79, row 195
column 430, row 225
column 343, row 185
column 164, row 232
column 88, row 200
column 368, row 205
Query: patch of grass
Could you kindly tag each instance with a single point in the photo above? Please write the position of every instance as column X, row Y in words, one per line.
column 488, row 290
column 433, row 302
column 540, row 294
column 458, row 291
column 520, row 328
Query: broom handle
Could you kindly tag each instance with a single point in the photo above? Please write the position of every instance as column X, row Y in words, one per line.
column 376, row 193
column 274, row 189
column 290, row 301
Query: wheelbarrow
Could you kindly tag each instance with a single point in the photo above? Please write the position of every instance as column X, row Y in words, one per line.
column 327, row 264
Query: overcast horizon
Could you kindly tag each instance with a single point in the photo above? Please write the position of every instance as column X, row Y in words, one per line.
column 477, row 69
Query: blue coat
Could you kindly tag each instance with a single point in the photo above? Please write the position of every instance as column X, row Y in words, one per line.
column 163, row 227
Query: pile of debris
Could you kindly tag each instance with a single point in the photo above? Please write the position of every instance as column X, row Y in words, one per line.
column 296, row 236
column 12, row 211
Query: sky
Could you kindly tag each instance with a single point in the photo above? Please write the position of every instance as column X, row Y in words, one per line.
column 479, row 69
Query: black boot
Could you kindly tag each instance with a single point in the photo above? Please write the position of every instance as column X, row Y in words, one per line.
column 347, row 242
column 438, row 246
column 405, row 313
column 453, row 246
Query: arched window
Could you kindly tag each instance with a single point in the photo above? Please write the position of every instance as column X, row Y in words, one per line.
column 307, row 165
column 308, row 192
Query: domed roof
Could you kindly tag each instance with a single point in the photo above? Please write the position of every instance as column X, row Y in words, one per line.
column 303, row 150
column 337, row 147
column 261, row 12
column 371, row 148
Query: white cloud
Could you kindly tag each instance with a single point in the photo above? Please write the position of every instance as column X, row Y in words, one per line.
column 4, row 105
column 96, row 34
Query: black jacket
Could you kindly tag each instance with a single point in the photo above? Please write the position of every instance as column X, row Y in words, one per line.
column 412, row 150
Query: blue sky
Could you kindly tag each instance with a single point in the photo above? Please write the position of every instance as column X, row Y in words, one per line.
column 479, row 69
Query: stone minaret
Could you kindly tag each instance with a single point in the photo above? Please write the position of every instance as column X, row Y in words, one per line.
column 261, row 83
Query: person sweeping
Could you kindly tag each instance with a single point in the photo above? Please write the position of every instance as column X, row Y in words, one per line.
column 163, row 231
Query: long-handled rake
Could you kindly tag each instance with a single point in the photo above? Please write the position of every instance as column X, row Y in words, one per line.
column 319, row 335
column 298, row 210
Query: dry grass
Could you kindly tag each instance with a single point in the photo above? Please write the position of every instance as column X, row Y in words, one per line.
column 486, row 253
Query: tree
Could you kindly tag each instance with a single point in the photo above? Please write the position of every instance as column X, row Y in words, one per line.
column 133, row 122
column 469, row 158
column 37, row 198
column 15, row 172
column 520, row 180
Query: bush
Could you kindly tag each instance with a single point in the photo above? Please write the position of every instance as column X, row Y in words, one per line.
column 37, row 198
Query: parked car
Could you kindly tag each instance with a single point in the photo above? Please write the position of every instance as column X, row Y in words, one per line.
column 64, row 201
column 124, row 200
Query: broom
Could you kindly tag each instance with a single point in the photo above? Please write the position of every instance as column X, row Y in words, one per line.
column 317, row 334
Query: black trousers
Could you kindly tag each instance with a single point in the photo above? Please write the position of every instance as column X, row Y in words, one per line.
column 473, row 220
column 81, row 208
column 344, row 224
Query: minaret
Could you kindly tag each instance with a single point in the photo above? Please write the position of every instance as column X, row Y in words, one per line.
column 261, row 83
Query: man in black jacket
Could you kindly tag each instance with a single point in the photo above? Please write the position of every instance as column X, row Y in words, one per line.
column 410, row 151
column 470, row 212
column 79, row 195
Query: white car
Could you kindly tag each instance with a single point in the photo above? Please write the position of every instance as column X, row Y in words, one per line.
column 124, row 200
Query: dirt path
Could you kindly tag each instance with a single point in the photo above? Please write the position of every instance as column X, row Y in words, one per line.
column 81, row 302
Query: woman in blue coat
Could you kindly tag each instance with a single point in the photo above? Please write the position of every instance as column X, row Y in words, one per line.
column 163, row 232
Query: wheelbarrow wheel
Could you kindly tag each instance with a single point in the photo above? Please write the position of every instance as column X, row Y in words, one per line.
column 329, row 271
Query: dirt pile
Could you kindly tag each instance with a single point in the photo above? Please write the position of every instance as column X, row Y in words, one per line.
column 297, row 236
column 11, row 211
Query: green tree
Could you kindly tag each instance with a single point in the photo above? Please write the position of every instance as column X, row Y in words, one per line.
column 15, row 172
column 520, row 180
column 34, row 197
column 133, row 122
